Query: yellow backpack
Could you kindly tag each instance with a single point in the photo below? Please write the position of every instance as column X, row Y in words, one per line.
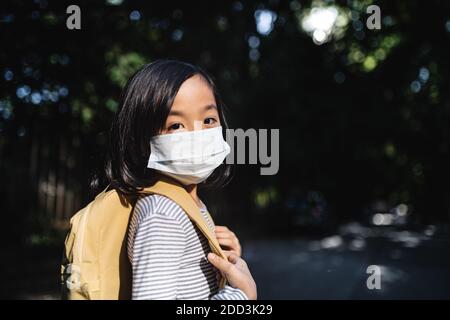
column 95, row 264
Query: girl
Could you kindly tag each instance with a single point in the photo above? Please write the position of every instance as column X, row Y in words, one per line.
column 155, row 131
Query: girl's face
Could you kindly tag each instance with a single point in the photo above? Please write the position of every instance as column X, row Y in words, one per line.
column 194, row 108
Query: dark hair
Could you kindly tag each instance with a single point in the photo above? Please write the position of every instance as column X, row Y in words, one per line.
column 142, row 113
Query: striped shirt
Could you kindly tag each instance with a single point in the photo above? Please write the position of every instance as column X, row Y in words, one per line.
column 168, row 254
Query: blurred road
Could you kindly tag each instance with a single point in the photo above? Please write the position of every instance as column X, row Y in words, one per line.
column 413, row 265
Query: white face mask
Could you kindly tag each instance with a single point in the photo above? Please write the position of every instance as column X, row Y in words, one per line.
column 189, row 156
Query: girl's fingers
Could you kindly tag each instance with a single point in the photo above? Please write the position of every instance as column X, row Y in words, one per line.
column 225, row 242
column 228, row 238
column 221, row 228
column 233, row 258
column 226, row 234
column 229, row 235
column 220, row 263
column 229, row 241
column 223, row 236
column 229, row 253
column 221, row 233
column 235, row 249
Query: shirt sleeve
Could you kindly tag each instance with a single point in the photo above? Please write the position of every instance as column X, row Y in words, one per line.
column 230, row 293
column 158, row 248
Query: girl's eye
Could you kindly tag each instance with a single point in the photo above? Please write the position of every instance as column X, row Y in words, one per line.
column 210, row 121
column 175, row 126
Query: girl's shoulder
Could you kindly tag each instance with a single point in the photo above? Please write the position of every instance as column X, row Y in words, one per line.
column 152, row 204
column 162, row 211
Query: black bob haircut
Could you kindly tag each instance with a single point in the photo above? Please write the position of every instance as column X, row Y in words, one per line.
column 145, row 104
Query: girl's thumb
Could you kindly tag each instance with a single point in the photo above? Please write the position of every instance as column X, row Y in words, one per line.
column 218, row 262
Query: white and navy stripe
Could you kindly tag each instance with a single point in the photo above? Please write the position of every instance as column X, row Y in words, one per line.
column 168, row 254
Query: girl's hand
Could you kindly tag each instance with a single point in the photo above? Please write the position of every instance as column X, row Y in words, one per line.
column 236, row 271
column 228, row 239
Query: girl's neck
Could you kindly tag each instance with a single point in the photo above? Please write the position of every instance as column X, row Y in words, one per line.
column 192, row 190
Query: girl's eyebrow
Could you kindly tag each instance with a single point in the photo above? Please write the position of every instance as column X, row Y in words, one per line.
column 175, row 113
column 210, row 106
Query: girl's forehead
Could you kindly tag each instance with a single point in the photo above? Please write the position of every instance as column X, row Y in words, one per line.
column 194, row 91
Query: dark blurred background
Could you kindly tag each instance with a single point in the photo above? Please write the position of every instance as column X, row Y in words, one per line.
column 364, row 134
